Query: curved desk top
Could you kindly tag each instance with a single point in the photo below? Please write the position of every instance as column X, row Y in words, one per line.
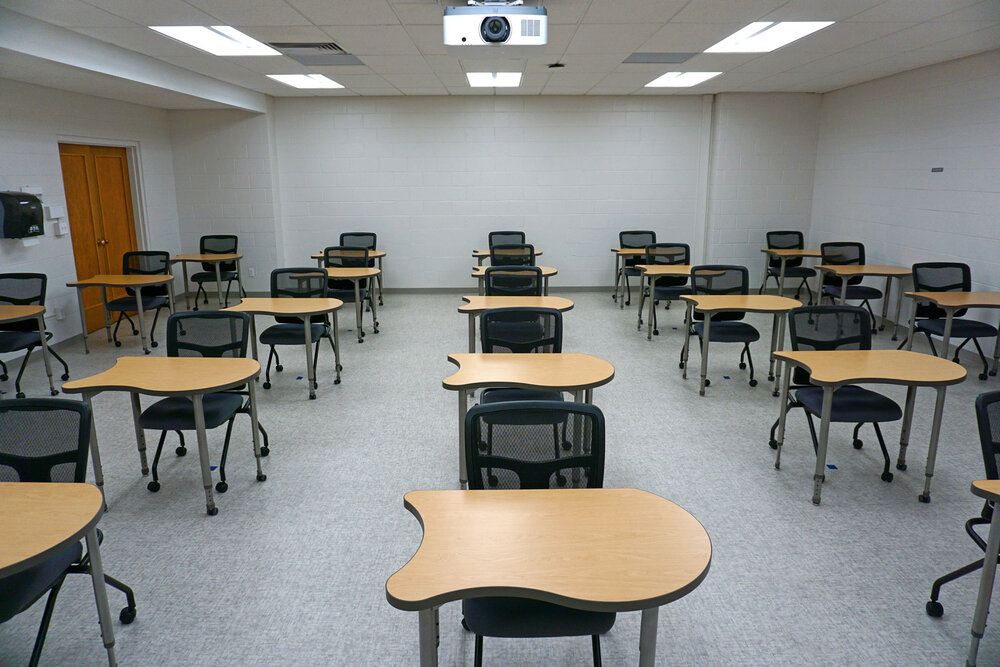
column 352, row 272
column 865, row 270
column 566, row 371
column 629, row 252
column 477, row 304
column 208, row 258
column 959, row 299
column 372, row 254
column 793, row 252
column 568, row 546
column 17, row 313
column 838, row 367
column 657, row 270
column 750, row 303
column 286, row 306
column 42, row 519
column 987, row 488
column 121, row 280
column 480, row 271
column 485, row 252
column 168, row 376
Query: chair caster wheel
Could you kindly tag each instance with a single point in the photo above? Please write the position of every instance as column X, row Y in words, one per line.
column 982, row 376
column 312, row 396
column 753, row 383
column 770, row 378
column 262, row 477
column 3, row 378
column 955, row 359
column 656, row 332
column 924, row 497
column 680, row 365
column 153, row 486
column 336, row 381
column 154, row 343
column 708, row 383
column 65, row 376
column 279, row 367
column 127, row 615
column 340, row 367
column 19, row 394
column 900, row 466
column 266, row 385
column 265, row 450
column 465, row 626
column 54, row 392
column 221, row 487
column 776, row 394
column 361, row 340
column 181, row 451
column 933, row 608
column 743, row 366
column 134, row 332
column 887, row 477
column 858, row 443
column 772, row 443
column 118, row 343
column 566, row 446
column 993, row 373
column 212, row 511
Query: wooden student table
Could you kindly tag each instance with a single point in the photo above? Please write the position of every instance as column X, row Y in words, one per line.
column 356, row 275
column 949, row 302
column 547, row 272
column 783, row 255
column 483, row 253
column 477, row 304
column 372, row 254
column 135, row 282
column 621, row 254
column 192, row 377
column 847, row 271
column 711, row 304
column 566, row 371
column 833, row 369
column 40, row 520
column 209, row 258
column 654, row 272
column 10, row 314
column 990, row 491
column 304, row 309
column 607, row 550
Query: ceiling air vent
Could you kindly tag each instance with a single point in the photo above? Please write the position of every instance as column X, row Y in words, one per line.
column 316, row 53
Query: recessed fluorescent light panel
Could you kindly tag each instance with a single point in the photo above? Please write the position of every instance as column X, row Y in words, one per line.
column 219, row 40
column 305, row 80
column 764, row 36
column 494, row 79
column 681, row 79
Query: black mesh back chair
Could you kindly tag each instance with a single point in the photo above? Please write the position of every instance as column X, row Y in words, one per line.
column 296, row 283
column 828, row 328
column 726, row 327
column 512, row 254
column 948, row 277
column 216, row 244
column 147, row 263
column 521, row 457
column 988, row 417
column 635, row 239
column 789, row 240
column 847, row 253
column 518, row 281
column 668, row 288
column 367, row 240
column 24, row 289
column 343, row 256
column 209, row 334
column 503, row 238
column 47, row 440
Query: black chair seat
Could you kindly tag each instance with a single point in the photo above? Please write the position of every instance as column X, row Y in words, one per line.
column 521, row 617
column 728, row 332
column 854, row 292
column 19, row 591
column 632, row 271
column 289, row 334
column 851, row 404
column 127, row 303
column 12, row 341
column 209, row 276
column 671, row 292
column 792, row 272
column 347, row 295
column 959, row 328
column 177, row 412
column 511, row 394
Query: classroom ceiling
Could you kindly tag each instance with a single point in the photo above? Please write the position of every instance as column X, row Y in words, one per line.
column 400, row 45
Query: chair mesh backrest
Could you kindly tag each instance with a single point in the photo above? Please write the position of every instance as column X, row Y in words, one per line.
column 668, row 253
column 208, row 334
column 783, row 240
column 22, row 289
column 842, row 252
column 219, row 244
column 298, row 283
column 44, row 440
column 345, row 256
column 635, row 238
column 940, row 277
column 988, row 416
column 504, row 238
column 147, row 263
column 720, row 279
column 512, row 254
column 522, row 281
column 520, row 445
column 521, row 330
column 360, row 239
column 825, row 328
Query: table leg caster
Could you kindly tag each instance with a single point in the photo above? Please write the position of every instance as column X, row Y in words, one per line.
column 212, row 511
column 924, row 497
column 262, row 477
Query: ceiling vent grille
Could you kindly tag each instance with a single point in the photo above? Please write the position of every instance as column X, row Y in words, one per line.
column 316, row 53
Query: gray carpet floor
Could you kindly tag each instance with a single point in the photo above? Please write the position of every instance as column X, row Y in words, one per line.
column 293, row 570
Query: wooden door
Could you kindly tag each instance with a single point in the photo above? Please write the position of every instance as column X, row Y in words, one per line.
column 99, row 204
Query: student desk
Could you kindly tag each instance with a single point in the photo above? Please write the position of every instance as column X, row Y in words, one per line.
column 566, row 371
column 304, row 309
column 633, row 550
column 621, row 254
column 192, row 377
column 654, row 272
column 356, row 275
column 41, row 520
column 483, row 253
column 988, row 490
column 209, row 258
column 847, row 271
column 10, row 314
column 135, row 282
column 710, row 304
column 477, row 304
column 372, row 254
column 832, row 369
column 949, row 302
column 783, row 255
column 547, row 272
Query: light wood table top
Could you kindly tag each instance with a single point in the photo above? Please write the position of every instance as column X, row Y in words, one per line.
column 480, row 271
column 883, row 366
column 594, row 549
column 750, row 303
column 657, row 270
column 11, row 313
column 477, row 304
column 208, row 257
column 121, row 280
column 372, row 254
column 629, row 252
column 169, row 376
column 866, row 270
column 988, row 489
column 959, row 299
column 352, row 272
column 566, row 371
column 485, row 252
column 793, row 252
column 286, row 306
column 41, row 519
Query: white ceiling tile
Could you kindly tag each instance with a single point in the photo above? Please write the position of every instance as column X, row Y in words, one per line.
column 443, row 64
column 711, row 62
column 841, row 36
column 493, row 65
column 610, row 38
column 923, row 34
column 413, row 80
column 981, row 40
column 141, row 39
column 215, row 66
column 418, row 13
column 585, row 62
column 565, row 11
column 688, row 37
column 911, row 10
column 281, row 33
column 428, row 38
column 725, row 11
column 71, row 13
column 987, row 10
column 835, row 63
column 373, row 40
column 820, row 10
column 635, row 11
column 398, row 64
column 267, row 64
column 251, row 12
column 156, row 12
column 338, row 12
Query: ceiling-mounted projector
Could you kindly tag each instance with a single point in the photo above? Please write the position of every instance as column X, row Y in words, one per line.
column 495, row 24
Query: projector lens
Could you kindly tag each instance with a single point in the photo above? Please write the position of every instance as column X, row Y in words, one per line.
column 495, row 29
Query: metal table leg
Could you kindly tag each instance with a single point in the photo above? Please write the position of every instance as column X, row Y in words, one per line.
column 140, row 434
column 101, row 594
column 187, row 293
column 782, row 414
column 704, row 354
column 463, row 408
column 647, row 636
column 472, row 332
column 774, row 347
column 685, row 350
column 985, row 592
column 357, row 311
column 925, row 497
column 781, row 276
column 899, row 305
column 885, row 302
column 83, row 319
column 239, row 279
column 140, row 315
column 379, row 278
column 336, row 347
column 946, row 338
column 45, row 353
column 206, row 469
column 904, row 430
column 996, row 353
column 255, row 428
column 824, row 437
column 253, row 338
column 614, row 294
column 781, row 343
column 104, row 307
column 310, row 376
column 374, row 308
column 545, row 286
column 652, row 305
column 218, row 284
column 428, row 637
column 95, row 452
column 912, row 333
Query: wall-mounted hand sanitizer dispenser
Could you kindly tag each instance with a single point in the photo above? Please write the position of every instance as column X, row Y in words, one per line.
column 20, row 215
